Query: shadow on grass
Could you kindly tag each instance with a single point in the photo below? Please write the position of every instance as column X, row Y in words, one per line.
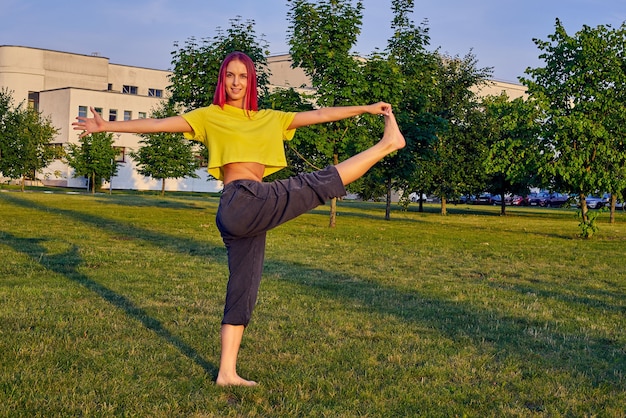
column 147, row 201
column 585, row 296
column 66, row 265
column 376, row 210
column 123, row 230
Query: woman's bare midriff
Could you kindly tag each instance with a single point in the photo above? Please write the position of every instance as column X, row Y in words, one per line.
column 243, row 171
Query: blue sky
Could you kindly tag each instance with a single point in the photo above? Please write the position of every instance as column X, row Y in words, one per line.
column 142, row 32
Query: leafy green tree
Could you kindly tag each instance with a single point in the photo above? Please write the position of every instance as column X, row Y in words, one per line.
column 413, row 78
column 581, row 93
column 321, row 37
column 381, row 80
column 196, row 64
column 511, row 130
column 93, row 157
column 301, row 152
column 25, row 137
column 163, row 156
column 455, row 159
column 616, row 122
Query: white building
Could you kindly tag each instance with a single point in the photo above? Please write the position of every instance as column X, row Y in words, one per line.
column 64, row 85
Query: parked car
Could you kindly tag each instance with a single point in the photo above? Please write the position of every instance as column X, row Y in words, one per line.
column 518, row 200
column 538, row 199
column 496, row 199
column 483, row 199
column 594, row 202
column 606, row 201
column 509, row 199
column 556, row 200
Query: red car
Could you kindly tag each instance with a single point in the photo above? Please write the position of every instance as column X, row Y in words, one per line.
column 517, row 200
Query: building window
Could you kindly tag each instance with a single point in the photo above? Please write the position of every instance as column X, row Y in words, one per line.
column 112, row 115
column 98, row 110
column 128, row 115
column 120, row 154
column 33, row 100
column 155, row 93
column 82, row 111
column 129, row 89
column 142, row 115
column 110, row 87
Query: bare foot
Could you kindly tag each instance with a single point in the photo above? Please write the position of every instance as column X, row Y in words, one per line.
column 233, row 381
column 392, row 137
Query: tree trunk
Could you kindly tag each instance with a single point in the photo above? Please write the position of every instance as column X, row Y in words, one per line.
column 93, row 183
column 502, row 205
column 583, row 208
column 162, row 187
column 444, row 209
column 23, row 183
column 333, row 202
column 333, row 213
column 421, row 202
column 613, row 202
column 388, row 205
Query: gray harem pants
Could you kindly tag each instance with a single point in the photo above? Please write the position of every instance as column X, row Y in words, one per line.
column 247, row 210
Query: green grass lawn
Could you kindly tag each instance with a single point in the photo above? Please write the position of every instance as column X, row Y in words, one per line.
column 111, row 306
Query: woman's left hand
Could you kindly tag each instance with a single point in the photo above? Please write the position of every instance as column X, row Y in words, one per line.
column 380, row 108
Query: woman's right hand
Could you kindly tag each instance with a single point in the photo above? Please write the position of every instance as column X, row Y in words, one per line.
column 89, row 125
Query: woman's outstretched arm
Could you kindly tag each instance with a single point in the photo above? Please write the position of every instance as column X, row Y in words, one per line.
column 331, row 114
column 137, row 126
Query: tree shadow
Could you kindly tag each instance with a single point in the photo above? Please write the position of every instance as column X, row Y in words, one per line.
column 142, row 201
column 59, row 264
column 124, row 230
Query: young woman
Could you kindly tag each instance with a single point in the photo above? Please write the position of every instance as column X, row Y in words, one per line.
column 246, row 144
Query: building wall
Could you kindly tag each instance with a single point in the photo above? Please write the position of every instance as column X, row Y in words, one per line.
column 66, row 81
column 285, row 76
column 24, row 69
column 495, row 88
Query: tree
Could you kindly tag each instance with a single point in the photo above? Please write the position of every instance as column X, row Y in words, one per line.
column 93, row 158
column 413, row 78
column 455, row 159
column 321, row 37
column 581, row 93
column 514, row 149
column 382, row 80
column 196, row 65
column 301, row 152
column 163, row 155
column 25, row 136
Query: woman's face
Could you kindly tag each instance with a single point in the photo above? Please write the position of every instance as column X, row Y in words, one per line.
column 236, row 83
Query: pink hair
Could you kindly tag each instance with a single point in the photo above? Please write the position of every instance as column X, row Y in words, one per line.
column 250, row 101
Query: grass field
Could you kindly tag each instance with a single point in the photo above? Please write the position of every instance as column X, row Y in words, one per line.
column 111, row 305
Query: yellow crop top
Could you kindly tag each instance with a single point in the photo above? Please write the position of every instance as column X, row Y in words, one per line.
column 233, row 135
